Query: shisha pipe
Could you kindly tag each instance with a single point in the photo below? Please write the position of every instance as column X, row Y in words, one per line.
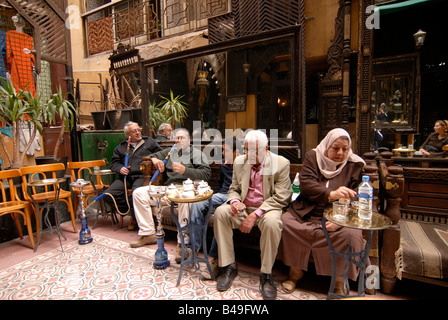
column 85, row 236
column 157, row 192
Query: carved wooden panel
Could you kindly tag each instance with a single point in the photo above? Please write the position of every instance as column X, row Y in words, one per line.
column 50, row 23
column 363, row 84
column 100, row 35
column 251, row 17
column 330, row 106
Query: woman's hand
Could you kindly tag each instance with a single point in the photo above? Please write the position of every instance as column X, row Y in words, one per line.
column 341, row 192
column 331, row 226
column 424, row 152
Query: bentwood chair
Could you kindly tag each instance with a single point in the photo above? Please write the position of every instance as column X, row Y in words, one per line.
column 13, row 205
column 45, row 171
column 83, row 170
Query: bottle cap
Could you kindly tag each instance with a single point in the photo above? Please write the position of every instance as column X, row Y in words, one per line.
column 365, row 178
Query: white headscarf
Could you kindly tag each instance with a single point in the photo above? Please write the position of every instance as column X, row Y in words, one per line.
column 328, row 167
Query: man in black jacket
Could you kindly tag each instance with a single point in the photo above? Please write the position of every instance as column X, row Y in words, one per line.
column 136, row 147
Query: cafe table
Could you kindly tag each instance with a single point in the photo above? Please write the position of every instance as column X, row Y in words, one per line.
column 193, row 229
column 377, row 222
column 48, row 205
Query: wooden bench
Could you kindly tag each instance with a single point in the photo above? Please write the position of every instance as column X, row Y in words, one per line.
column 250, row 240
column 416, row 245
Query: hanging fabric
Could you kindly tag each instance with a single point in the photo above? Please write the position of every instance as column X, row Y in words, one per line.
column 21, row 60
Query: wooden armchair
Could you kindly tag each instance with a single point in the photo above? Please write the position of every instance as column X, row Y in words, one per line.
column 13, row 205
column 44, row 171
column 78, row 170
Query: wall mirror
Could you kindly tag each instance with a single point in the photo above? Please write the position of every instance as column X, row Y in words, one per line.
column 394, row 100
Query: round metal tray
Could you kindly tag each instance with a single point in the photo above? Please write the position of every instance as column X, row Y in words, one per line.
column 45, row 182
column 207, row 195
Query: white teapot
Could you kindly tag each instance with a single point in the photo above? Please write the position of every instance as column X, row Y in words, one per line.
column 188, row 189
column 203, row 187
column 171, row 190
column 188, row 185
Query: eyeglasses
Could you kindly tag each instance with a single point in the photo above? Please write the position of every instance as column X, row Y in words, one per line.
column 136, row 131
column 246, row 151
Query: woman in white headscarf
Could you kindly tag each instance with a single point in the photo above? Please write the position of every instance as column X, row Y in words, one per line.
column 330, row 171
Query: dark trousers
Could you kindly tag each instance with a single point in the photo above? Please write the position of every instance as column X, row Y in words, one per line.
column 117, row 190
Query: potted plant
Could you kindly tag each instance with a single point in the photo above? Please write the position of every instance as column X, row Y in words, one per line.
column 58, row 106
column 156, row 117
column 174, row 109
column 19, row 109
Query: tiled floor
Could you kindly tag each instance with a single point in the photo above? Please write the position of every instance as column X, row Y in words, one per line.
column 17, row 250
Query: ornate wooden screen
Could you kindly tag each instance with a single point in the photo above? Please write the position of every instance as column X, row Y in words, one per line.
column 364, row 81
column 249, row 17
column 48, row 21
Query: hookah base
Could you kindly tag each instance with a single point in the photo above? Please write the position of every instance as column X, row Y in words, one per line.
column 159, row 265
column 84, row 235
column 161, row 256
column 85, row 241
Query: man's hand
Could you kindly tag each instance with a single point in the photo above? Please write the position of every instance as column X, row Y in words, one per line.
column 234, row 208
column 178, row 167
column 248, row 223
column 158, row 164
column 124, row 171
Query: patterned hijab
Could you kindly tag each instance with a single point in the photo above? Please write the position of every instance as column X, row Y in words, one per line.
column 328, row 167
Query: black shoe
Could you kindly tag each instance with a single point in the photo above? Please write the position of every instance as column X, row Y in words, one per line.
column 226, row 277
column 267, row 287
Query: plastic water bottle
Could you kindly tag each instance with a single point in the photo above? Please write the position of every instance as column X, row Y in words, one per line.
column 295, row 187
column 365, row 195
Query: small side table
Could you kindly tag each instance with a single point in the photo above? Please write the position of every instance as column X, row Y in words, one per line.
column 404, row 151
column 55, row 204
column 102, row 211
column 193, row 228
column 378, row 222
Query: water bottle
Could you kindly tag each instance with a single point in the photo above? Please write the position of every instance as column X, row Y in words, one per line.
column 295, row 187
column 365, row 195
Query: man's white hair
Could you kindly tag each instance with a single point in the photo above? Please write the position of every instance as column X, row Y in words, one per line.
column 128, row 124
column 254, row 136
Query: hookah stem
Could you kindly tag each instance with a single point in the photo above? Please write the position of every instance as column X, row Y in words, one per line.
column 126, row 157
column 164, row 161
